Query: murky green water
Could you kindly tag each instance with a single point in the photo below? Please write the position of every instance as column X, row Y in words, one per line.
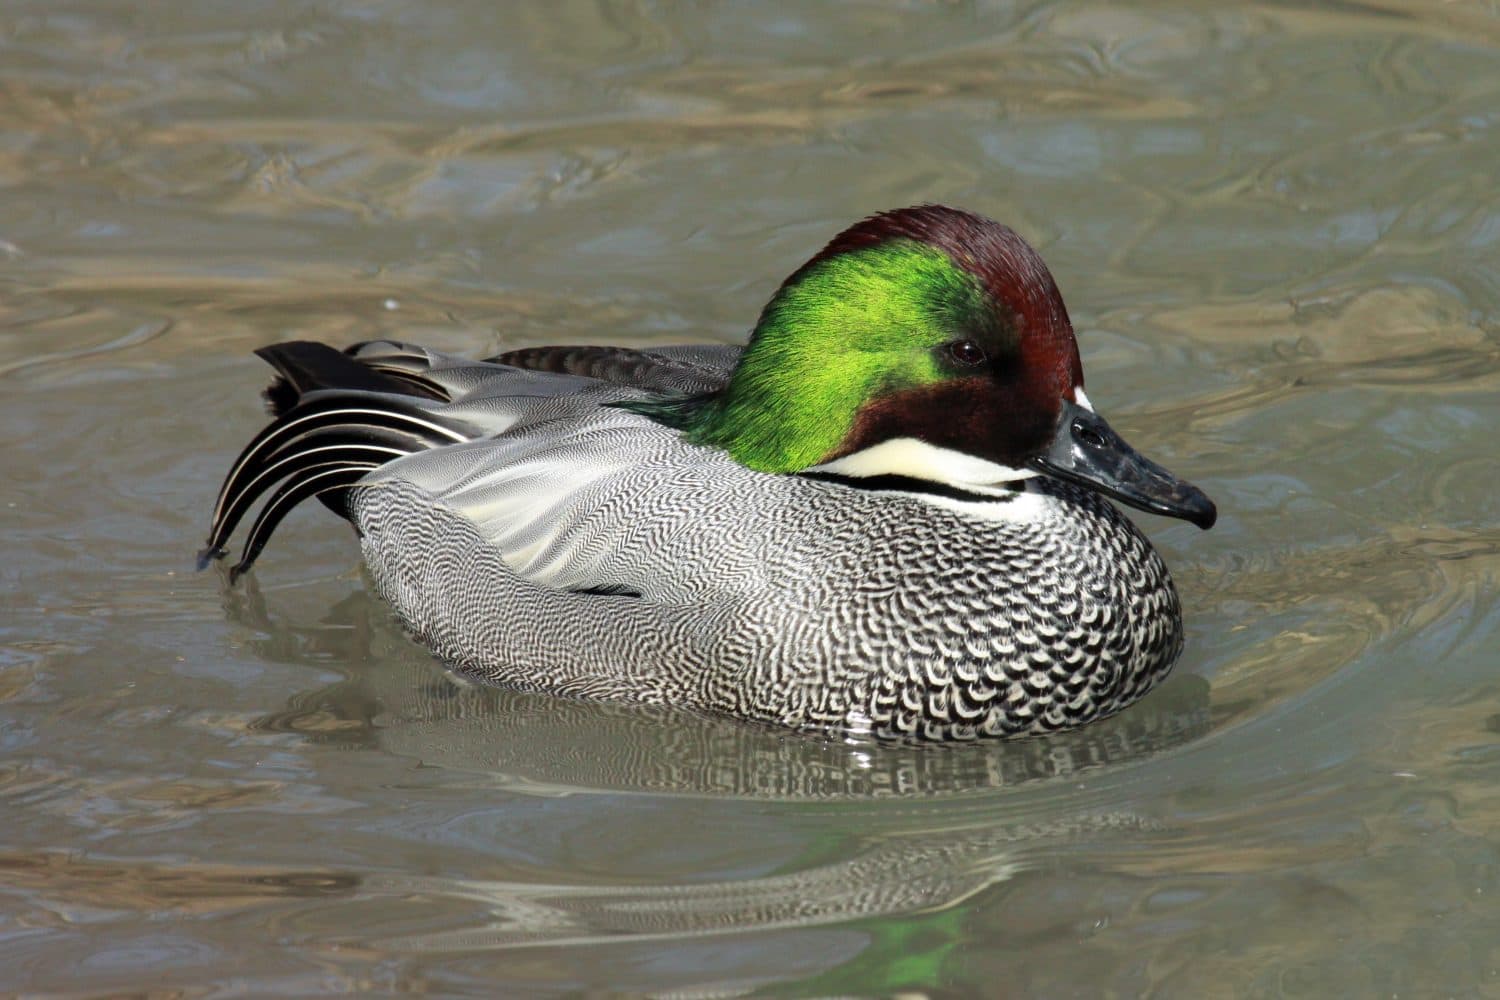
column 1278, row 230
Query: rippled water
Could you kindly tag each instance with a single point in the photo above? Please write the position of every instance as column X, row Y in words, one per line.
column 1276, row 227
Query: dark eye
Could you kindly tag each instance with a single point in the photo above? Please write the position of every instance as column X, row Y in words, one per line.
column 966, row 353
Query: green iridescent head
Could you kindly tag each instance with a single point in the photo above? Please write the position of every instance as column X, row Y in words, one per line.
column 929, row 323
column 925, row 343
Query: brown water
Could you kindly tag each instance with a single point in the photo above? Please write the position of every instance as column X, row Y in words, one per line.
column 1278, row 230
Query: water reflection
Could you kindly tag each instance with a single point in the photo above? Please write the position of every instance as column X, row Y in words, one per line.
column 395, row 698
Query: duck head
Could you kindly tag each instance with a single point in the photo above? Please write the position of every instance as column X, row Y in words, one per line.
column 928, row 343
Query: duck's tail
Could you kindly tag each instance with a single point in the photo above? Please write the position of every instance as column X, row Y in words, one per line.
column 337, row 416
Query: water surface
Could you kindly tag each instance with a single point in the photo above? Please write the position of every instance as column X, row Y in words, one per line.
column 1276, row 228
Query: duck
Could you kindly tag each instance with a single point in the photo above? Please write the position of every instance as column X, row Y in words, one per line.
column 890, row 514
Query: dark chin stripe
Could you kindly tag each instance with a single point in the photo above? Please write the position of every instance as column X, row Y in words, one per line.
column 890, row 482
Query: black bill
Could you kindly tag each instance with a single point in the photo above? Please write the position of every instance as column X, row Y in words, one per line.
column 1087, row 451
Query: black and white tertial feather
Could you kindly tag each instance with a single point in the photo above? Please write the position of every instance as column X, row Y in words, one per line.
column 533, row 535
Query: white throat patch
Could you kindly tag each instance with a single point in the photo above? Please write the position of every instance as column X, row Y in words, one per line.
column 909, row 457
column 994, row 498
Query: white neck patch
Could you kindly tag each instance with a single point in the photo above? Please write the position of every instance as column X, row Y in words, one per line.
column 906, row 456
column 993, row 498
